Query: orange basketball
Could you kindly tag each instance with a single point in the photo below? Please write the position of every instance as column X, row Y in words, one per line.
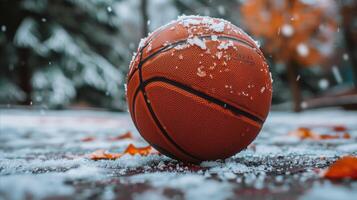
column 199, row 89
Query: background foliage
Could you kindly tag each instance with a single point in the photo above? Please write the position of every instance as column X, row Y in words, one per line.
column 57, row 54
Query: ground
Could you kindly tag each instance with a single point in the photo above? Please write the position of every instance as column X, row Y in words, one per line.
column 43, row 156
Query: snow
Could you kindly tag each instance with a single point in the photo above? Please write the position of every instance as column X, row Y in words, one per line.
column 214, row 24
column 214, row 37
column 224, row 45
column 195, row 186
column 302, row 49
column 221, row 10
column 3, row 28
column 18, row 187
column 323, row 84
column 287, row 30
column 345, row 57
column 198, row 42
column 218, row 27
column 43, row 157
column 329, row 191
column 349, row 148
column 336, row 73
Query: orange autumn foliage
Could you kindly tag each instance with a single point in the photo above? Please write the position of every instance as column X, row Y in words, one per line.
column 127, row 135
column 345, row 167
column 102, row 154
column 88, row 139
column 131, row 150
column 290, row 27
column 306, row 133
column 339, row 128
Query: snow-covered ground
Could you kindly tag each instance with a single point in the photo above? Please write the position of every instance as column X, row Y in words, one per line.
column 42, row 156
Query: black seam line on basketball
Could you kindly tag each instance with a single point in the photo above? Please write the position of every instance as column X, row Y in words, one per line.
column 170, row 46
column 143, row 47
column 140, row 78
column 156, row 120
column 211, row 99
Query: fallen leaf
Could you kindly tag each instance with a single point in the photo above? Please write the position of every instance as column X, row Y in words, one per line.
column 306, row 133
column 345, row 167
column 88, row 139
column 132, row 150
column 339, row 128
column 336, row 136
column 127, row 135
column 102, row 154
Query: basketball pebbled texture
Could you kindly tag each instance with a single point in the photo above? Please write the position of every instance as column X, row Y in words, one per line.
column 199, row 89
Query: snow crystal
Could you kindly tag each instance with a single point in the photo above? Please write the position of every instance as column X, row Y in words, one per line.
column 323, row 83
column 302, row 49
column 200, row 72
column 271, row 77
column 219, row 54
column 262, row 89
column 336, row 73
column 142, row 43
column 298, row 77
column 149, row 48
column 214, row 37
column 3, row 28
column 345, row 57
column 221, row 10
column 287, row 30
column 218, row 27
column 303, row 105
column 109, row 9
column 187, row 21
column 196, row 41
column 181, row 46
column 225, row 45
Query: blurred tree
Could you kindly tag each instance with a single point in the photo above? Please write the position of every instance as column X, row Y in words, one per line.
column 349, row 15
column 55, row 52
column 296, row 32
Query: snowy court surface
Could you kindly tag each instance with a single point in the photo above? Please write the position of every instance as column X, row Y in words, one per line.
column 42, row 156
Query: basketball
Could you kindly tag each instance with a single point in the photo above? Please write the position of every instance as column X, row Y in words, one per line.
column 198, row 89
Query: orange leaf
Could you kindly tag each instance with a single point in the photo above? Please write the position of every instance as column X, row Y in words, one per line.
column 306, row 133
column 88, row 139
column 132, row 150
column 345, row 167
column 104, row 155
column 339, row 128
column 127, row 135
